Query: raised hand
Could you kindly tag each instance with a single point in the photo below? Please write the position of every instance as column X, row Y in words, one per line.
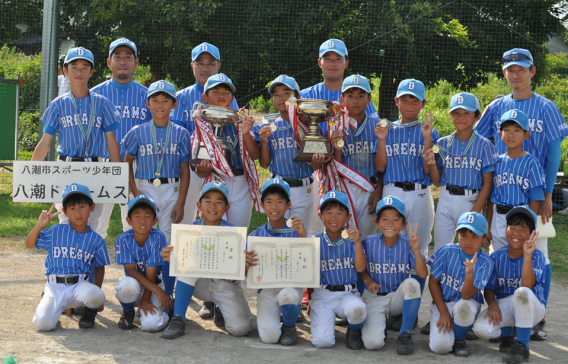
column 247, row 124
column 382, row 132
column 413, row 238
column 335, row 137
column 166, row 253
column 354, row 234
column 265, row 133
column 470, row 264
column 46, row 216
column 427, row 125
column 529, row 246
column 298, row 225
column 430, row 157
column 205, row 166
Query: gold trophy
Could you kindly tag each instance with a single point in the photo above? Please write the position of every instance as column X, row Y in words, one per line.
column 315, row 111
column 218, row 117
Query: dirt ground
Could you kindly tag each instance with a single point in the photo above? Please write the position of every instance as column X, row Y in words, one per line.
column 22, row 280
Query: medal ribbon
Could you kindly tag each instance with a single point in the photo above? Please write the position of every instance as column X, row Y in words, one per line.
column 407, row 125
column 164, row 147
column 298, row 126
column 248, row 164
column 279, row 231
column 469, row 143
column 330, row 243
column 88, row 134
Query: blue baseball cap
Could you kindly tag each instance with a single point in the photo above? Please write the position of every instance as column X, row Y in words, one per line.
column 517, row 56
column 162, row 86
column 279, row 183
column 334, row 195
column 466, row 101
column 215, row 186
column 77, row 53
column 523, row 209
column 219, row 78
column 287, row 81
column 333, row 45
column 391, row 201
column 207, row 48
column 142, row 199
column 411, row 87
column 517, row 116
column 358, row 82
column 73, row 189
column 123, row 42
column 473, row 221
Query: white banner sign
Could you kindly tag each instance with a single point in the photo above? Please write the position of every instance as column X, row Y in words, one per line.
column 284, row 262
column 45, row 181
column 208, row 251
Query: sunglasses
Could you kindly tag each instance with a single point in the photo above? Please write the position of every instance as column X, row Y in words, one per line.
column 516, row 57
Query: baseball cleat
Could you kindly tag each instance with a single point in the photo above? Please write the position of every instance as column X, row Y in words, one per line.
column 425, row 330
column 289, row 336
column 470, row 336
column 354, row 340
column 126, row 321
column 461, row 349
column 87, row 319
column 391, row 320
column 507, row 344
column 537, row 332
column 218, row 317
column 405, row 345
column 206, row 311
column 341, row 322
column 175, row 329
column 518, row 354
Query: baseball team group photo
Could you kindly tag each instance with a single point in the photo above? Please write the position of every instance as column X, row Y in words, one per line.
column 342, row 219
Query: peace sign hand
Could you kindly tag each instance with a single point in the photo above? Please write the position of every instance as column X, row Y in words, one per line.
column 46, row 216
column 470, row 264
column 427, row 125
column 414, row 239
column 529, row 246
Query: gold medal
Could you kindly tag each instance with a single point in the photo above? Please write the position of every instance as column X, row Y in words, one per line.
column 340, row 143
column 436, row 149
column 157, row 182
column 383, row 123
column 344, row 234
column 273, row 127
column 289, row 223
column 86, row 154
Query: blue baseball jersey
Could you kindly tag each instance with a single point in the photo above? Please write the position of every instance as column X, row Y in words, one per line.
column 264, row 231
column 388, row 267
column 130, row 102
column 513, row 178
column 223, row 223
column 447, row 267
column 62, row 118
column 320, row 92
column 466, row 170
column 359, row 151
column 337, row 263
column 283, row 149
column 127, row 251
column 182, row 115
column 546, row 124
column 506, row 275
column 70, row 252
column 405, row 153
column 139, row 144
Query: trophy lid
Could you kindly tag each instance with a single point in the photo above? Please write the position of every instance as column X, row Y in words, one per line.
column 219, row 114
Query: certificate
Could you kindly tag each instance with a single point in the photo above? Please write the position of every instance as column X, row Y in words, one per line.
column 208, row 251
column 284, row 262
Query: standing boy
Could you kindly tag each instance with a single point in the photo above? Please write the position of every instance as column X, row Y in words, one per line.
column 71, row 251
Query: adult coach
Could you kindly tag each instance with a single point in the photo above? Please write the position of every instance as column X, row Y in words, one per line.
column 547, row 128
column 129, row 98
column 205, row 62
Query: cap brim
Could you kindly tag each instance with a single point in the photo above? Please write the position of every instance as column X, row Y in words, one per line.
column 274, row 84
column 392, row 207
column 471, row 228
column 75, row 193
column 421, row 98
column 521, row 210
column 141, row 200
column 214, row 189
column 122, row 45
column 526, row 63
column 341, row 54
column 200, row 52
column 468, row 108
column 231, row 86
column 355, row 86
column 277, row 186
column 156, row 91
column 519, row 124
column 78, row 58
column 331, row 200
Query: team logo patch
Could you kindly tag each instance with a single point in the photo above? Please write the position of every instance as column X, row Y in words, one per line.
column 117, row 250
column 280, row 78
column 80, row 51
column 330, row 44
column 161, row 85
column 204, row 47
column 222, row 78
column 276, row 180
column 388, row 201
column 309, row 190
column 122, row 40
column 332, row 194
column 216, row 184
column 411, row 85
column 513, row 114
column 175, row 189
column 470, row 219
column 355, row 80
column 421, row 194
column 460, row 99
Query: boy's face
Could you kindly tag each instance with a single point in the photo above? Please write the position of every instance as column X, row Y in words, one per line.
column 463, row 119
column 356, row 101
column 213, row 207
column 275, row 207
column 390, row 222
column 204, row 67
column 334, row 219
column 333, row 66
column 513, row 135
column 218, row 96
column 160, row 105
column 142, row 221
column 409, row 106
column 519, row 78
column 517, row 235
column 122, row 63
column 79, row 72
column 281, row 94
column 470, row 243
column 79, row 213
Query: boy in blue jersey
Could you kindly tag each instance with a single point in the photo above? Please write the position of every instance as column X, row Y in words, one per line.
column 515, row 292
column 458, row 274
column 129, row 98
column 232, row 309
column 84, row 122
column 390, row 290
column 518, row 177
column 71, row 251
column 341, row 258
column 273, row 302
column 139, row 250
column 464, row 167
column 161, row 152
column 358, row 152
column 278, row 149
column 548, row 128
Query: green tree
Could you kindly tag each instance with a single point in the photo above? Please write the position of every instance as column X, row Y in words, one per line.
column 14, row 12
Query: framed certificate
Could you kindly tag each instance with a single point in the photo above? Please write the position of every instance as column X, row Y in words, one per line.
column 284, row 262
column 208, row 251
